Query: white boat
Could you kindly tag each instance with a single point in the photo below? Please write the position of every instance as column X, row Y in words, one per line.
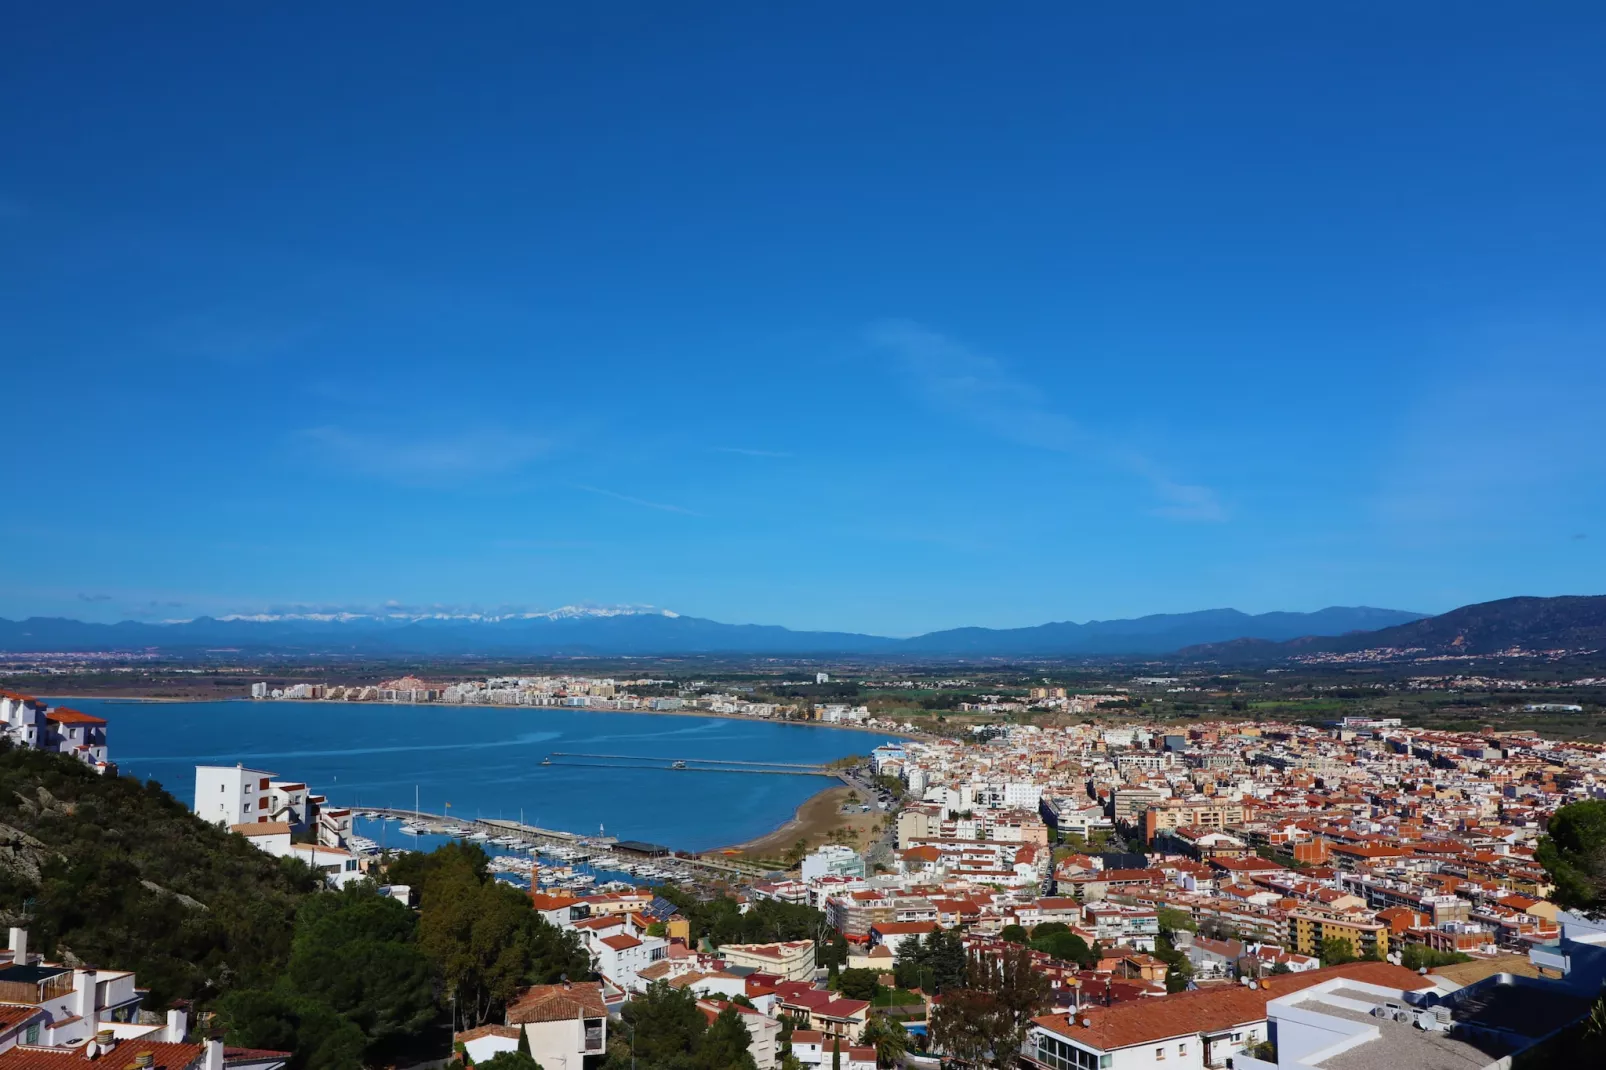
column 411, row 830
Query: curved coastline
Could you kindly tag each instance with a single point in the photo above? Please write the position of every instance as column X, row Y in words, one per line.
column 811, row 820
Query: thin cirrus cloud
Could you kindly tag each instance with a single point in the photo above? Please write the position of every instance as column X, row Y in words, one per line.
column 662, row 507
column 950, row 377
column 424, row 459
column 82, row 597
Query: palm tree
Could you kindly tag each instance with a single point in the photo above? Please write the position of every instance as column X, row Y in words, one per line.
column 887, row 1037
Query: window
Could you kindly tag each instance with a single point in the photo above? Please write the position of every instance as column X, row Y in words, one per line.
column 32, row 1036
column 1182, row 1050
column 1159, row 1055
column 1055, row 1053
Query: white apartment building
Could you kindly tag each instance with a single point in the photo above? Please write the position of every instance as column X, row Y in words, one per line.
column 832, row 860
column 792, row 960
column 28, row 722
column 231, row 795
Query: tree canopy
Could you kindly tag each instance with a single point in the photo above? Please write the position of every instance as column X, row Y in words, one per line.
column 355, row 970
column 1573, row 852
column 668, row 1031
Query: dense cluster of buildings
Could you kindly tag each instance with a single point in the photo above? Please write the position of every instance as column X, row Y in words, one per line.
column 32, row 723
column 56, row 1016
column 577, row 691
column 1263, row 848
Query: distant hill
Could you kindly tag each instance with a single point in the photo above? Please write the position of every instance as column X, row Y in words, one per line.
column 633, row 632
column 1570, row 622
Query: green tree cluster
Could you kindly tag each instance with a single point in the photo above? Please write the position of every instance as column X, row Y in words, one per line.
column 1573, row 852
column 933, row 963
column 1336, row 952
column 121, row 873
column 721, row 921
column 663, row 1029
column 1420, row 957
column 985, row 1020
column 858, row 984
column 483, row 937
column 356, row 988
column 1055, row 938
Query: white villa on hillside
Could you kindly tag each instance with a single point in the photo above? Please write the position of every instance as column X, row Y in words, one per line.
column 29, row 722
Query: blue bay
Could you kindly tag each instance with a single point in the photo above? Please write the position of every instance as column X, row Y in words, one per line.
column 486, row 761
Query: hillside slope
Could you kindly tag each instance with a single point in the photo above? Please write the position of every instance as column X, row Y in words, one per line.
column 1573, row 623
column 116, row 873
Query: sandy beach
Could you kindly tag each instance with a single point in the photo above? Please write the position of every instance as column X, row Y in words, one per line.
column 814, row 822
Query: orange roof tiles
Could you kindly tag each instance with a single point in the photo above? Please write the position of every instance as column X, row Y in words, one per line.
column 556, row 1003
column 1184, row 1013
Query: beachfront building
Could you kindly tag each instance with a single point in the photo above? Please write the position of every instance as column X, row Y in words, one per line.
column 832, row 860
column 31, row 723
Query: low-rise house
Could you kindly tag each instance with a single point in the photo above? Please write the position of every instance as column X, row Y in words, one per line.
column 564, row 1023
column 487, row 1041
column 816, row 1008
column 764, row 1031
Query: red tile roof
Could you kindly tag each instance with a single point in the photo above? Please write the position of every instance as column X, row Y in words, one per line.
column 556, row 1003
column 1145, row 1021
column 62, row 715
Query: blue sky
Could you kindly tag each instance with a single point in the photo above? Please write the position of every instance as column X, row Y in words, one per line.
column 880, row 317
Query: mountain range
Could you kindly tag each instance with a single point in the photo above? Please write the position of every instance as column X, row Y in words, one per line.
column 1572, row 623
column 634, row 631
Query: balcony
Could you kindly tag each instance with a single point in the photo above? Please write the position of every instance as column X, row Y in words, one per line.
column 593, row 1035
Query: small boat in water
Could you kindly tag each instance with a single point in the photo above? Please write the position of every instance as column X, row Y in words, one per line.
column 411, row 830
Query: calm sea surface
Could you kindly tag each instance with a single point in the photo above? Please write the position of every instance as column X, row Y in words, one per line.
column 485, row 761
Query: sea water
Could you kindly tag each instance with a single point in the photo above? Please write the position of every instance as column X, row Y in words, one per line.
column 486, row 761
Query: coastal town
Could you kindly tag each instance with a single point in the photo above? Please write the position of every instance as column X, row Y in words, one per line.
column 1185, row 894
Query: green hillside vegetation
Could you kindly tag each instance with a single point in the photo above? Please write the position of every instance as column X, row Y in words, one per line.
column 111, row 872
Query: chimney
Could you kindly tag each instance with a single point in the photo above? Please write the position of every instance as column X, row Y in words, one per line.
column 213, row 1059
column 19, row 946
column 83, row 996
column 178, row 1024
column 145, row 1060
column 100, row 1044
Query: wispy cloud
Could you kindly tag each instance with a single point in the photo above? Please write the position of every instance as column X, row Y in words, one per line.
column 423, row 458
column 953, row 378
column 644, row 503
column 82, row 597
column 745, row 452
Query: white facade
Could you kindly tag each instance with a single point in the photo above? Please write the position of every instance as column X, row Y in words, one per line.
column 832, row 860
column 28, row 722
column 232, row 794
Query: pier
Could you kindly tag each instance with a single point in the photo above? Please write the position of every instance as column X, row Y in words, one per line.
column 705, row 765
column 535, row 837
